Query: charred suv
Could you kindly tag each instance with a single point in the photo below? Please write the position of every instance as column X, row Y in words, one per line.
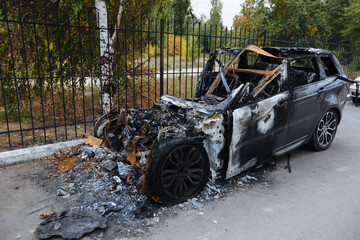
column 251, row 104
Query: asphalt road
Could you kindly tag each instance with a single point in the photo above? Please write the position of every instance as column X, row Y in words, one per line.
column 318, row 200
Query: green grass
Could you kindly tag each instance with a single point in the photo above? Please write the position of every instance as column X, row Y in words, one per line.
column 36, row 143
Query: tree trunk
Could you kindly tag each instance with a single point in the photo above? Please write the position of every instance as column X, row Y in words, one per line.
column 107, row 88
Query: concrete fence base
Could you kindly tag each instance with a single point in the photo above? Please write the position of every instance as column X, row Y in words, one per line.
column 33, row 153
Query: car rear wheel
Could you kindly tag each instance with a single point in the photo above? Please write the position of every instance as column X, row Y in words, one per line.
column 325, row 131
column 178, row 171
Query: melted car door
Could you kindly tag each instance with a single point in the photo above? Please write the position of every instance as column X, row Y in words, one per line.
column 257, row 129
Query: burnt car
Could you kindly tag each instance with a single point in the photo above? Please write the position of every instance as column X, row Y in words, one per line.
column 252, row 104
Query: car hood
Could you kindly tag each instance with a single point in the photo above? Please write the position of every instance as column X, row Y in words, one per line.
column 195, row 107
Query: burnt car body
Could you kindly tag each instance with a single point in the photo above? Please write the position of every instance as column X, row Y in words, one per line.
column 251, row 104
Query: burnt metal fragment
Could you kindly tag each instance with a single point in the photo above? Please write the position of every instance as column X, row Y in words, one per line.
column 71, row 224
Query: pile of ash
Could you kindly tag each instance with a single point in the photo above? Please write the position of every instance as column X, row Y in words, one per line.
column 98, row 180
column 105, row 185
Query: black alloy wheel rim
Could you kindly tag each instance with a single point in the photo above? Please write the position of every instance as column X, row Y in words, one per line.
column 326, row 129
column 182, row 172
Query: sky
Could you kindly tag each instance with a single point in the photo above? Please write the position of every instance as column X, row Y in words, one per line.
column 230, row 9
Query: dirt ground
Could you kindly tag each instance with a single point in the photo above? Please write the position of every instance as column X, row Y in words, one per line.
column 37, row 137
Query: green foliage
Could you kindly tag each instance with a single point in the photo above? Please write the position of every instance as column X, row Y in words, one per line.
column 353, row 17
column 181, row 12
column 296, row 16
column 334, row 17
column 36, row 143
column 215, row 13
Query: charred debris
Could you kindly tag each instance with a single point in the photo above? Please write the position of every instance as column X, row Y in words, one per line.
column 103, row 189
column 106, row 174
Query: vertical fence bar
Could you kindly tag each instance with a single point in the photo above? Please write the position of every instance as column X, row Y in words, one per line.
column 82, row 79
column 204, row 36
column 126, row 70
column 198, row 61
column 192, row 57
column 148, row 43
column 100, row 65
column 174, row 53
column 110, row 77
column 50, row 71
column 141, row 61
column 162, row 29
column 265, row 36
column 61, row 70
column 5, row 108
column 14, row 73
column 181, row 32
column 235, row 37
column 117, row 65
column 72, row 73
column 38, row 72
column 91, row 68
column 27, row 73
column 167, row 57
column 156, row 46
column 133, row 62
column 186, row 58
column 325, row 42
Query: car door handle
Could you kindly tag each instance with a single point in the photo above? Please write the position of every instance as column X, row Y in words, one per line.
column 281, row 103
column 321, row 90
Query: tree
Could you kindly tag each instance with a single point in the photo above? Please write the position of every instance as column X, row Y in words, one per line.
column 253, row 14
column 181, row 13
column 352, row 29
column 107, row 52
column 299, row 17
column 215, row 20
column 335, row 17
column 216, row 12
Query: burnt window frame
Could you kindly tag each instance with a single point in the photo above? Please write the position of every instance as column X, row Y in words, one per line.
column 315, row 60
column 321, row 62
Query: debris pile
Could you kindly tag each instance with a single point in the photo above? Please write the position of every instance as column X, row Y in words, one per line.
column 136, row 130
column 104, row 185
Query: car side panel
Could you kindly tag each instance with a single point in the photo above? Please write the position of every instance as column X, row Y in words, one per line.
column 307, row 106
column 257, row 129
column 304, row 111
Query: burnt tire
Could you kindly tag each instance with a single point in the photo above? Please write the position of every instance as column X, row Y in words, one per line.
column 178, row 171
column 325, row 131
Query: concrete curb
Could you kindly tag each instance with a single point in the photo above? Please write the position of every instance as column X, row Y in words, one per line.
column 29, row 154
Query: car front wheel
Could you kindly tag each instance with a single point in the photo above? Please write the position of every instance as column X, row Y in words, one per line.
column 178, row 171
column 325, row 131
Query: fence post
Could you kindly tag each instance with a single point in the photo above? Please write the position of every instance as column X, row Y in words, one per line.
column 325, row 40
column 162, row 30
column 265, row 35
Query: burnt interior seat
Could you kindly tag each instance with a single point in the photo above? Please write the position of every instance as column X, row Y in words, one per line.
column 255, row 78
column 298, row 77
column 301, row 77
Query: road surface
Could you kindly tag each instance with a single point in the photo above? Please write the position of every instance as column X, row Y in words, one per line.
column 318, row 200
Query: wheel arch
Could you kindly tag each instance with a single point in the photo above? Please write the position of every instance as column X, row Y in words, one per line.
column 337, row 111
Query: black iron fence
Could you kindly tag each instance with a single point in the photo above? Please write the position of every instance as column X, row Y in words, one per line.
column 50, row 67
